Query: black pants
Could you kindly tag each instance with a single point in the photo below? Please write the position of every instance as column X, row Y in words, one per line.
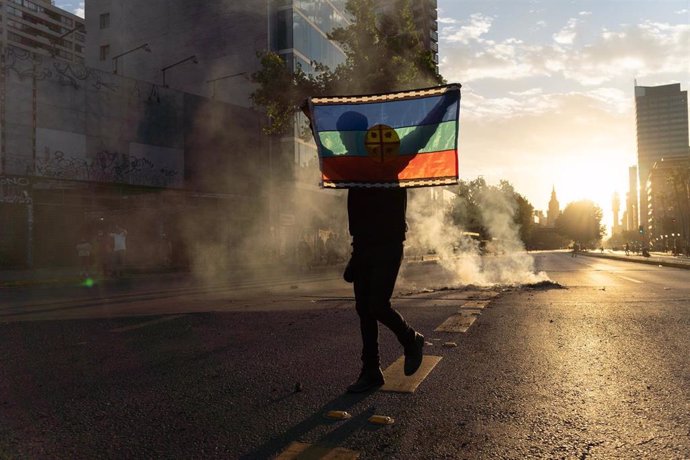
column 375, row 271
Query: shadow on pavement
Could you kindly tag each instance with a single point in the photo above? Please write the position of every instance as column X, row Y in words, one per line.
column 274, row 446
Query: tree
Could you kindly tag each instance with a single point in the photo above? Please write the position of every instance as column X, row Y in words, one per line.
column 469, row 209
column 581, row 222
column 383, row 52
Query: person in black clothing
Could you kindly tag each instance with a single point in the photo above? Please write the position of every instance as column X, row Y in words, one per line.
column 377, row 226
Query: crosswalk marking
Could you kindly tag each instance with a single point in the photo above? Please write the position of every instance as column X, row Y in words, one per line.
column 398, row 382
column 457, row 323
column 475, row 304
column 304, row 451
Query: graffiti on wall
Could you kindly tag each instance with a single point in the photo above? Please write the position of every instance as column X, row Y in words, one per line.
column 15, row 190
column 28, row 65
column 106, row 166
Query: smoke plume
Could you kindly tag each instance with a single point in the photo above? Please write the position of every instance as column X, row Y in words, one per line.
column 501, row 261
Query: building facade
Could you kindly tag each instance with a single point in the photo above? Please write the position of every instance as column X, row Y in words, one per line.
column 662, row 133
column 83, row 150
column 631, row 221
column 668, row 198
column 40, row 27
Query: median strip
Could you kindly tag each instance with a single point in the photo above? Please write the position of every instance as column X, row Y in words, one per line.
column 303, row 450
column 398, row 382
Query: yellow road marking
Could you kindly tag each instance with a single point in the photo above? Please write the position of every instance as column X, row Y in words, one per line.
column 475, row 304
column 146, row 323
column 304, row 451
column 398, row 382
column 457, row 323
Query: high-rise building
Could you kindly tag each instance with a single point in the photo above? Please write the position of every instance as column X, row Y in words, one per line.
column 669, row 201
column 662, row 133
column 631, row 206
column 616, row 207
column 40, row 27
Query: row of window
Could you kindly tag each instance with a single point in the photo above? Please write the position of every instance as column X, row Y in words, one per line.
column 31, row 6
column 26, row 41
column 322, row 13
column 37, row 20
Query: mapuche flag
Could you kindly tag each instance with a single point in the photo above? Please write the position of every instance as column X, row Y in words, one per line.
column 403, row 139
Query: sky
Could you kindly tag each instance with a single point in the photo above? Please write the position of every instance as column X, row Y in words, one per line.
column 547, row 88
column 547, row 98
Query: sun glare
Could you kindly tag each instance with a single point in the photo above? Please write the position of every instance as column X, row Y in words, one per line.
column 595, row 179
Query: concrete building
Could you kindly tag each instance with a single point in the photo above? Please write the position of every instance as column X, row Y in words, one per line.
column 82, row 150
column 616, row 207
column 631, row 221
column 668, row 198
column 42, row 28
column 662, row 132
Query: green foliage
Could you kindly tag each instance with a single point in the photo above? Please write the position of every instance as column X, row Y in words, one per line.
column 581, row 222
column 383, row 53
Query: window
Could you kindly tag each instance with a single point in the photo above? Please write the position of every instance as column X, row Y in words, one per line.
column 105, row 20
column 105, row 52
column 78, row 48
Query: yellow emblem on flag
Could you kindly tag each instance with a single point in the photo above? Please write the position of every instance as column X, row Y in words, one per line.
column 382, row 143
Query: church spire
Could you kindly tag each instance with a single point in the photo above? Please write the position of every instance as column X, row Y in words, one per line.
column 554, row 209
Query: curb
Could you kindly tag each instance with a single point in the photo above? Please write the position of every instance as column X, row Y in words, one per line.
column 639, row 261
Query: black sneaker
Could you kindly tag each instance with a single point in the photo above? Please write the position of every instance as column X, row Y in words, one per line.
column 368, row 379
column 414, row 354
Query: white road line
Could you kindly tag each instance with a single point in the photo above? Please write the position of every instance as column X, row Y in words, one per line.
column 630, row 279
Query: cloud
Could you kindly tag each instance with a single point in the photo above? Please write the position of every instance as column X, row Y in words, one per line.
column 644, row 50
column 566, row 36
column 530, row 136
column 477, row 26
column 79, row 11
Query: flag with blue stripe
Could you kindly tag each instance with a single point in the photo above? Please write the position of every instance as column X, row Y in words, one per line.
column 403, row 139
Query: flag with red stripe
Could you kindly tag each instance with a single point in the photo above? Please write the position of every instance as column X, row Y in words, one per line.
column 403, row 139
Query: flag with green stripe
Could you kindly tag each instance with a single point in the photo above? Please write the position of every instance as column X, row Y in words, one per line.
column 403, row 139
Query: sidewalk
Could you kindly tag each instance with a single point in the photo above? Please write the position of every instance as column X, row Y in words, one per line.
column 656, row 258
column 69, row 276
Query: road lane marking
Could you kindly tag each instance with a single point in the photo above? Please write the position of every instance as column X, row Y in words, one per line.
column 398, row 382
column 146, row 323
column 457, row 323
column 476, row 304
column 303, row 450
column 630, row 279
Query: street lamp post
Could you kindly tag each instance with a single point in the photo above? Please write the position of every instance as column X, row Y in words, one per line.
column 145, row 47
column 190, row 58
column 79, row 27
column 214, row 80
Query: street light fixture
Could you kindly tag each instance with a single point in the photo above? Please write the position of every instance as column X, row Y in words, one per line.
column 190, row 58
column 214, row 80
column 145, row 47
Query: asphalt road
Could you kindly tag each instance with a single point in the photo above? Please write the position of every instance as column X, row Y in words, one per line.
column 174, row 369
